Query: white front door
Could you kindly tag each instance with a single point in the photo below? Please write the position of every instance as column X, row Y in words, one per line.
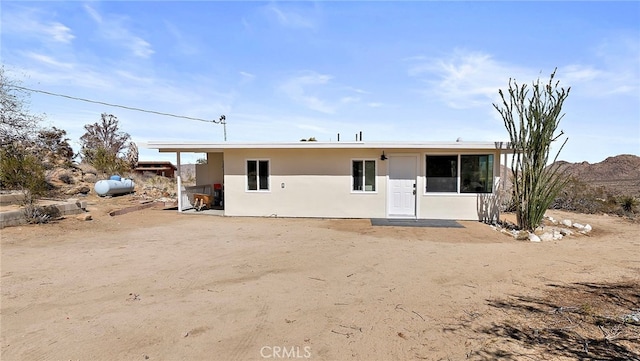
column 402, row 186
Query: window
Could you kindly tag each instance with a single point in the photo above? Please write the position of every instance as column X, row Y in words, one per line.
column 476, row 173
column 442, row 173
column 364, row 175
column 258, row 175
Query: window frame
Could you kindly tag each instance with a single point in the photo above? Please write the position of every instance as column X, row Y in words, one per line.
column 490, row 181
column 246, row 178
column 364, row 176
column 459, row 179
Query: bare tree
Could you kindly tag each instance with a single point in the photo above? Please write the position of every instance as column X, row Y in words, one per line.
column 532, row 121
column 132, row 155
column 104, row 146
column 53, row 148
column 17, row 123
column 105, row 134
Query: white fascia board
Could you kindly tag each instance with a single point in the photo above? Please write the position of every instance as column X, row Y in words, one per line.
column 203, row 147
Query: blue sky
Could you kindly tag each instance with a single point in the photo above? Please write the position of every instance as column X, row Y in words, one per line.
column 282, row 71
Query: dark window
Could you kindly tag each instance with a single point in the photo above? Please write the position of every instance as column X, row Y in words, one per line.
column 258, row 175
column 442, row 173
column 476, row 173
column 364, row 175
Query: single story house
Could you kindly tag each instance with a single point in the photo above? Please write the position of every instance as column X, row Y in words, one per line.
column 161, row 168
column 423, row 180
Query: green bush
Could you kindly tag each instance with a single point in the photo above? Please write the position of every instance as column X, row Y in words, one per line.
column 628, row 204
column 107, row 162
column 578, row 196
column 21, row 170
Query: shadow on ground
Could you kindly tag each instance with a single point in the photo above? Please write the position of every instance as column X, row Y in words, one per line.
column 582, row 321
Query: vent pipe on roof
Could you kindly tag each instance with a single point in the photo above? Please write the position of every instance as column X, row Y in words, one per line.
column 361, row 135
column 338, row 137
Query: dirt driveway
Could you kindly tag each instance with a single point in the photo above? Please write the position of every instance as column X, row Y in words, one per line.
column 155, row 285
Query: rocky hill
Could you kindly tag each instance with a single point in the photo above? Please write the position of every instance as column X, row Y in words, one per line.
column 617, row 176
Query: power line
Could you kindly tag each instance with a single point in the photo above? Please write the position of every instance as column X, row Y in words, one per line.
column 221, row 121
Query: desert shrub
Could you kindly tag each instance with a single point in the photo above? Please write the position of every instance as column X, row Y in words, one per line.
column 507, row 200
column 21, row 170
column 578, row 196
column 39, row 215
column 628, row 204
column 107, row 162
column 66, row 177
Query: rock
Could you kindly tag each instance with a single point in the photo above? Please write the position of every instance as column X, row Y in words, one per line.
column 578, row 226
column 81, row 188
column 557, row 235
column 87, row 168
column 567, row 222
column 90, row 178
column 84, row 217
column 566, row 232
column 521, row 235
column 587, row 228
column 533, row 238
column 60, row 175
column 546, row 236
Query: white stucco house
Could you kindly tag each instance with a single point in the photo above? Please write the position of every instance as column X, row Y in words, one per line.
column 422, row 180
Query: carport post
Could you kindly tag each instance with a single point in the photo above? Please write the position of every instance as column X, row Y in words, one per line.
column 179, row 183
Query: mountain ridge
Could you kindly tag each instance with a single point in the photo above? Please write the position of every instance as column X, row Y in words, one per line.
column 617, row 175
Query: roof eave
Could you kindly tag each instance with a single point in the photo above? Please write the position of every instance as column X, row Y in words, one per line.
column 204, row 147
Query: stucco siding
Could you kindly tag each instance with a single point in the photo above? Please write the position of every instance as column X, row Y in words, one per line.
column 461, row 207
column 211, row 172
column 318, row 183
column 303, row 183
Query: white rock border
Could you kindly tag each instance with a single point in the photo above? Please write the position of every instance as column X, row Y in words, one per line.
column 553, row 232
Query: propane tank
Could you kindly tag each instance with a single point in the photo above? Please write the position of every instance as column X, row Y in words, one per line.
column 114, row 185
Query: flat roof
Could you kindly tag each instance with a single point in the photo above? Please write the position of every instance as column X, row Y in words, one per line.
column 205, row 147
column 144, row 169
column 159, row 163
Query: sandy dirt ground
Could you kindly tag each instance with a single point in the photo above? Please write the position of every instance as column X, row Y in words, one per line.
column 157, row 285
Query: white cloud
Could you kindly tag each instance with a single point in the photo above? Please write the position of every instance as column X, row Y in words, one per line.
column 357, row 90
column 319, row 92
column 31, row 22
column 298, row 87
column 246, row 77
column 348, row 100
column 59, row 32
column 139, row 46
column 114, row 29
column 93, row 14
column 183, row 42
column 614, row 73
column 465, row 79
column 290, row 18
column 48, row 60
column 312, row 127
